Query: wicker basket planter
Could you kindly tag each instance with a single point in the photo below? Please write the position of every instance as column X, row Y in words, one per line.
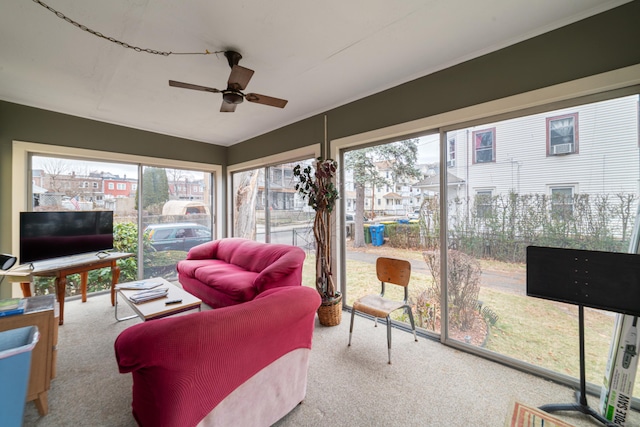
column 330, row 311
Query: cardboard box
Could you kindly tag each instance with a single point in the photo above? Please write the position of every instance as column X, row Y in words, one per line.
column 620, row 375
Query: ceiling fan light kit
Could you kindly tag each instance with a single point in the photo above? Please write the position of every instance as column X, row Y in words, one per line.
column 238, row 81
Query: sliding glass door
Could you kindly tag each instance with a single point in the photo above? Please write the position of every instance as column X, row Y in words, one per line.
column 267, row 208
column 565, row 177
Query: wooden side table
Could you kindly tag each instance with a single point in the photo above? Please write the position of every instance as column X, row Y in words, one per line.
column 43, row 355
column 60, row 268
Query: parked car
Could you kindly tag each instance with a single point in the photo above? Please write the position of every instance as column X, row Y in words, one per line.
column 177, row 236
column 350, row 222
column 414, row 215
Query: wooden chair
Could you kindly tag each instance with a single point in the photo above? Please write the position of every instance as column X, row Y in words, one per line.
column 395, row 272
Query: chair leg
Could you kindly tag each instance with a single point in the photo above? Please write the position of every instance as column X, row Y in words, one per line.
column 413, row 325
column 353, row 313
column 389, row 337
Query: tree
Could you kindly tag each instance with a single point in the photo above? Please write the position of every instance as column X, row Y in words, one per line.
column 401, row 156
column 55, row 168
column 155, row 189
column 246, row 196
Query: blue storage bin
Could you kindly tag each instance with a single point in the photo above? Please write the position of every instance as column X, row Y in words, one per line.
column 377, row 234
column 15, row 365
column 403, row 221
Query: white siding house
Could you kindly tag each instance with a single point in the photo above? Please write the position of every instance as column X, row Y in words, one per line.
column 591, row 149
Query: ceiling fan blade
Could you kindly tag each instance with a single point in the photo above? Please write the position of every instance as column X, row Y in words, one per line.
column 227, row 107
column 239, row 77
column 266, row 100
column 192, row 86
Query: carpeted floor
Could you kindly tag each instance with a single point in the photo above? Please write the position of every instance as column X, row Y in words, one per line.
column 428, row 384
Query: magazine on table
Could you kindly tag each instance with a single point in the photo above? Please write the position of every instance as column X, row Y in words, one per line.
column 140, row 285
column 148, row 295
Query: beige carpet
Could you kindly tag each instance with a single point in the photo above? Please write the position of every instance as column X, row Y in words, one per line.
column 428, row 384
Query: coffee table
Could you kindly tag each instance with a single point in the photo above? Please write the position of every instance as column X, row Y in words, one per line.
column 156, row 309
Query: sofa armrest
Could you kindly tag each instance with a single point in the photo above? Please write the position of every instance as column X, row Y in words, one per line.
column 183, row 366
column 206, row 250
column 285, row 271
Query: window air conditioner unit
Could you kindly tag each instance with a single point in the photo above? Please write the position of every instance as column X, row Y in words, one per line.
column 562, row 149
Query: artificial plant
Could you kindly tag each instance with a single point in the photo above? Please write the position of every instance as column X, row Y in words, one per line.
column 316, row 185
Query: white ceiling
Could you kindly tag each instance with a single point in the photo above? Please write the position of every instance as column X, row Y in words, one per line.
column 316, row 54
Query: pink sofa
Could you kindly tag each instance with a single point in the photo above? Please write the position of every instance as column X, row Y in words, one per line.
column 232, row 271
column 244, row 365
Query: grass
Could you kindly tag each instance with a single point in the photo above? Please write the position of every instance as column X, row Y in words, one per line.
column 545, row 333
column 536, row 331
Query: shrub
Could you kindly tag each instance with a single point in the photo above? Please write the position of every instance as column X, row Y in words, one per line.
column 463, row 284
column 125, row 239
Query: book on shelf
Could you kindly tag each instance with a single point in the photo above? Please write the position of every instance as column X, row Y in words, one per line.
column 148, row 295
column 11, row 306
column 140, row 285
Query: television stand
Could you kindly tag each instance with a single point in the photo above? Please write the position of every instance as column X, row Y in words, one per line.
column 62, row 267
column 581, row 395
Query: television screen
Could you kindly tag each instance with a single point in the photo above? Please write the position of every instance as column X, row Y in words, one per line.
column 45, row 235
column 604, row 280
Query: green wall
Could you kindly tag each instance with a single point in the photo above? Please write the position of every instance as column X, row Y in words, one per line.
column 604, row 42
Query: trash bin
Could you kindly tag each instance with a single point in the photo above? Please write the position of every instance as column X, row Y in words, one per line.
column 15, row 365
column 377, row 234
column 403, row 221
column 367, row 234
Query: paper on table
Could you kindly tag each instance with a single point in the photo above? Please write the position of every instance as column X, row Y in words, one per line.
column 139, row 285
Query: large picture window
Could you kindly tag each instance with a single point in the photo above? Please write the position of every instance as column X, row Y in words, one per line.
column 66, row 179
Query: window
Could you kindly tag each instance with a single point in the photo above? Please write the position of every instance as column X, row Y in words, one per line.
column 562, row 134
column 451, row 152
column 483, row 204
column 561, row 203
column 122, row 186
column 484, row 146
column 110, row 186
column 94, row 185
column 84, row 184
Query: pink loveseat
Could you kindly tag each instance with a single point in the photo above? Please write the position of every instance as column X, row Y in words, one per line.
column 243, row 365
column 233, row 270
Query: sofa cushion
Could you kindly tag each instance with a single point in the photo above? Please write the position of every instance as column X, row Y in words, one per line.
column 189, row 267
column 229, row 279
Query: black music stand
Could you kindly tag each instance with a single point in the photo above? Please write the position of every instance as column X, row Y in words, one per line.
column 603, row 280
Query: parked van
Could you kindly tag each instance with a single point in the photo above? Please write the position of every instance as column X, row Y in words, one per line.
column 185, row 207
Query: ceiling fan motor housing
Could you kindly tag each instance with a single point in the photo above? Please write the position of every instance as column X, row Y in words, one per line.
column 232, row 97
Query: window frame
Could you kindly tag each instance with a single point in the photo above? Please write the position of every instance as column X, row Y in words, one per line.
column 554, row 206
column 451, row 152
column 22, row 150
column 576, row 138
column 484, row 210
column 474, row 147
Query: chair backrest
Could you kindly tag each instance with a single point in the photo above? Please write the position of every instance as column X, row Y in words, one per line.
column 396, row 271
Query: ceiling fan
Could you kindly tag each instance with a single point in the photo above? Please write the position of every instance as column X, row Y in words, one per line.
column 238, row 80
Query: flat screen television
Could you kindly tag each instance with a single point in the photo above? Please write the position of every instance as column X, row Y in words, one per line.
column 46, row 235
